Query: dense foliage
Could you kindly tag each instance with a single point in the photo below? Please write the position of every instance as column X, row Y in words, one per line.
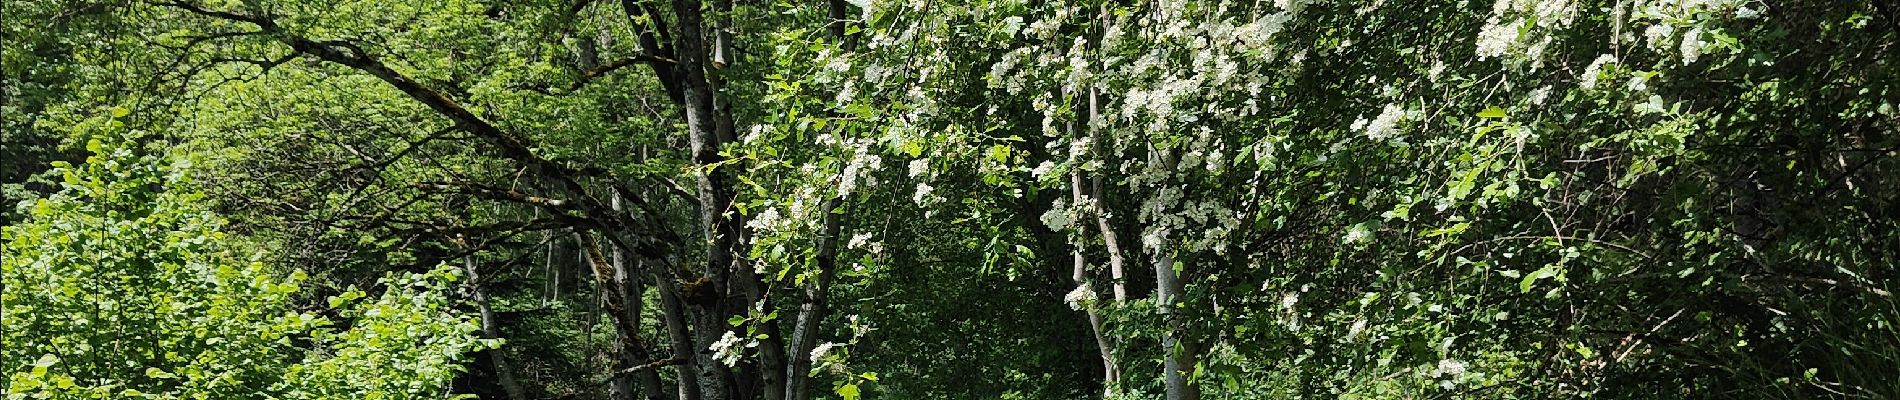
column 120, row 287
column 712, row 200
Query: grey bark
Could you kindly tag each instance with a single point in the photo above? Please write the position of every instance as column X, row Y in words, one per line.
column 632, row 294
column 615, row 294
column 491, row 329
column 814, row 306
column 1109, row 239
column 710, row 296
column 1179, row 351
column 679, row 337
column 813, row 309
column 1111, row 374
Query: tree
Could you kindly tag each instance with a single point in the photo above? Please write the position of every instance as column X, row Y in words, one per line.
column 1367, row 199
column 121, row 286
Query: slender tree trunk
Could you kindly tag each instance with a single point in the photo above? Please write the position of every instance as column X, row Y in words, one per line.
column 491, row 329
column 838, row 23
column 812, row 311
column 770, row 371
column 627, row 329
column 679, row 337
column 1178, row 350
column 1111, row 374
column 1115, row 261
column 632, row 294
column 771, row 363
column 814, row 308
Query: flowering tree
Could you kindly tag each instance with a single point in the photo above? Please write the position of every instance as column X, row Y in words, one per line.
column 1012, row 199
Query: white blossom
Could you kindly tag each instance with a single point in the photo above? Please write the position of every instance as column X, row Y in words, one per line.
column 1001, row 75
column 859, row 240
column 1449, row 367
column 1555, row 13
column 837, row 65
column 818, row 353
column 765, row 221
column 1058, row 217
column 727, row 349
column 861, row 163
column 1154, row 239
column 1658, row 35
column 919, row 167
column 846, row 93
column 1495, row 39
column 1080, row 298
column 1043, row 169
column 1500, row 7
column 752, row 134
column 923, row 193
column 1079, row 147
column 1357, row 233
column 1595, row 71
column 1383, row 126
column 1691, row 46
column 1536, row 53
column 1538, row 96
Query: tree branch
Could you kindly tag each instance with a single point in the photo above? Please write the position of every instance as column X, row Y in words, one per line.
column 590, row 75
column 494, row 193
column 656, row 364
column 511, row 145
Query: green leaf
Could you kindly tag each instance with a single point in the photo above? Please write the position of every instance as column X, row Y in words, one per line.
column 1530, row 280
column 869, row 376
column 120, row 112
column 849, row 391
column 1492, row 112
column 46, row 361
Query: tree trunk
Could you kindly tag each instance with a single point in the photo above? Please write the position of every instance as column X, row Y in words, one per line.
column 614, row 293
column 710, row 295
column 1178, row 350
column 1109, row 239
column 771, row 366
column 491, row 329
column 812, row 311
column 1111, row 374
column 814, row 308
column 679, row 337
column 632, row 294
